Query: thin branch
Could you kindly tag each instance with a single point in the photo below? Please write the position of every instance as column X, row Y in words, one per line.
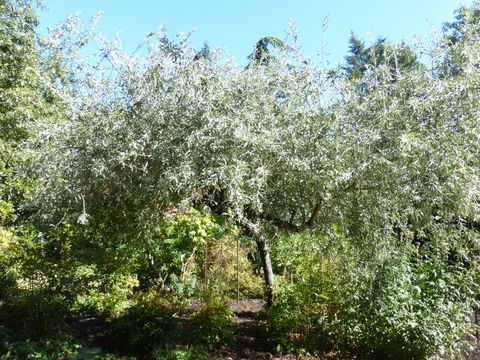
column 280, row 223
column 289, row 226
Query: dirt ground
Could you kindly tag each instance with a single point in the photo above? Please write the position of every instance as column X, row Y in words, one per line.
column 250, row 341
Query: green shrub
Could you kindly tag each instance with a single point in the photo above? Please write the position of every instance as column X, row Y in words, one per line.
column 87, row 353
column 231, row 270
column 407, row 309
column 6, row 337
column 303, row 305
column 7, row 281
column 395, row 304
column 190, row 250
column 212, row 324
column 55, row 347
column 109, row 294
column 7, row 276
column 175, row 246
column 38, row 310
column 144, row 326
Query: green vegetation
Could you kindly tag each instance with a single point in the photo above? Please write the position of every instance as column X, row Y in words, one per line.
column 394, row 303
column 144, row 192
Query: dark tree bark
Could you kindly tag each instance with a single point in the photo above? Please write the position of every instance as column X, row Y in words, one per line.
column 262, row 243
column 267, row 269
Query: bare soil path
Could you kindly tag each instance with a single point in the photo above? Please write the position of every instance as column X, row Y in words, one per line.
column 250, row 340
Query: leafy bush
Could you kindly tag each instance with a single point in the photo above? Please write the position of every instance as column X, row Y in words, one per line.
column 109, row 294
column 191, row 250
column 7, row 276
column 231, row 270
column 39, row 309
column 174, row 248
column 7, row 281
column 407, row 308
column 56, row 347
column 398, row 304
column 72, row 263
column 6, row 337
column 144, row 326
column 87, row 353
column 211, row 324
column 302, row 305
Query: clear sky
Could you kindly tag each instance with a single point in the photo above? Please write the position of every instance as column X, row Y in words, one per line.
column 237, row 25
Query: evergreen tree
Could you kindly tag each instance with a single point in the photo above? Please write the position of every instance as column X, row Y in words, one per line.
column 397, row 59
column 261, row 54
column 458, row 36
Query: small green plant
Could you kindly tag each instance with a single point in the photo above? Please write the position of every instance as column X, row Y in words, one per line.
column 6, row 337
column 87, row 353
column 182, row 353
column 7, row 281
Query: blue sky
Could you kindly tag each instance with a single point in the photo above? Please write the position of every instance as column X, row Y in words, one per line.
column 237, row 25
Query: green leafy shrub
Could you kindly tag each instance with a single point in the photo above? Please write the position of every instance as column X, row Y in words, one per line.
column 304, row 304
column 87, row 353
column 406, row 309
column 6, row 337
column 7, row 275
column 73, row 263
column 191, row 250
column 212, row 324
column 109, row 294
column 39, row 309
column 230, row 270
column 175, row 247
column 144, row 326
column 7, row 281
column 59, row 346
column 396, row 304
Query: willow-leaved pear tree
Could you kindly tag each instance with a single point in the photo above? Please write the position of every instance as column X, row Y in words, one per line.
column 277, row 148
column 170, row 131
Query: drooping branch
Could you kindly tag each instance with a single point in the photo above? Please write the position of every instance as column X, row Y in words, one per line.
column 353, row 187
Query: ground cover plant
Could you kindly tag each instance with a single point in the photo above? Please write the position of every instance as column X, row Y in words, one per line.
column 133, row 187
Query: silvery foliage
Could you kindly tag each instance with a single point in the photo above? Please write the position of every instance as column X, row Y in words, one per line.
column 164, row 128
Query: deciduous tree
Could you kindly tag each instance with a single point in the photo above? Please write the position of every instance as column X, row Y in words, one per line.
column 167, row 131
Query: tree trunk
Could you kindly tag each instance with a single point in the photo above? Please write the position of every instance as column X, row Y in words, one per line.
column 267, row 269
column 264, row 256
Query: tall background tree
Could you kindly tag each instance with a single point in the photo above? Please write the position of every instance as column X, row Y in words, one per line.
column 27, row 78
column 261, row 54
column 19, row 95
column 397, row 58
column 457, row 41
